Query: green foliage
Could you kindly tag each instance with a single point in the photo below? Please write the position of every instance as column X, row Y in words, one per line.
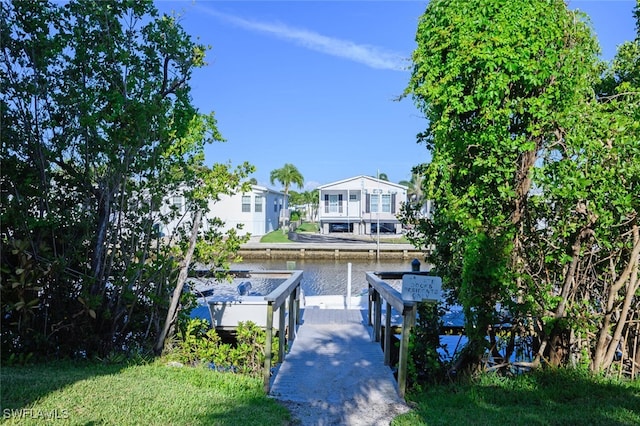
column 287, row 175
column 201, row 344
column 308, row 227
column 426, row 366
column 527, row 141
column 17, row 358
column 98, row 133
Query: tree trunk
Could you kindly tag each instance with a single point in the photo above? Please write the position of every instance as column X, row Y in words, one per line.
column 97, row 262
column 172, row 313
column 607, row 344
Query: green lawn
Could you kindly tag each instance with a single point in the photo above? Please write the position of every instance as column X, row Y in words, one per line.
column 546, row 398
column 86, row 393
column 91, row 393
column 281, row 237
column 308, row 227
column 275, row 237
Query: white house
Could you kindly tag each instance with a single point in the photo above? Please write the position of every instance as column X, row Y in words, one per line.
column 361, row 205
column 257, row 211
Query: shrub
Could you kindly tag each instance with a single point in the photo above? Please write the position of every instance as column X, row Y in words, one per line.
column 200, row 344
column 426, row 365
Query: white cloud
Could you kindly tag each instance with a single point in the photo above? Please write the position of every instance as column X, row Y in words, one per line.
column 370, row 56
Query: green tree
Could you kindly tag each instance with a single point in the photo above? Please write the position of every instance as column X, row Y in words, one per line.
column 588, row 186
column 414, row 185
column 312, row 199
column 287, row 175
column 497, row 82
column 307, row 198
column 98, row 128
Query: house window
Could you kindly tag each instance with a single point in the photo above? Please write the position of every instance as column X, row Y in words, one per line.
column 386, row 203
column 353, row 197
column 374, row 202
column 333, row 203
column 176, row 201
column 246, row 203
column 275, row 205
column 258, row 205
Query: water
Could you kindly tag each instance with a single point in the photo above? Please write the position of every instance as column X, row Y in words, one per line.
column 323, row 277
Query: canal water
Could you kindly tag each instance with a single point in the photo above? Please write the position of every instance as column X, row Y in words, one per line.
column 326, row 277
column 329, row 277
column 320, row 277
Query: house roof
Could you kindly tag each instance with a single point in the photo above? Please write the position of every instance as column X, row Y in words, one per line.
column 356, row 178
column 263, row 189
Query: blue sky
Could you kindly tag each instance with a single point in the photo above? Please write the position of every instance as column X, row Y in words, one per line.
column 314, row 83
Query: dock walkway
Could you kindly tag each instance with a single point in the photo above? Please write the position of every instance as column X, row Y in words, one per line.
column 334, row 373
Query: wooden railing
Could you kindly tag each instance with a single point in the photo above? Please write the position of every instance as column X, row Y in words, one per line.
column 287, row 291
column 379, row 290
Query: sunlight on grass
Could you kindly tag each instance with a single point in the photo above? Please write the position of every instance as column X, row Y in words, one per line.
column 545, row 398
column 275, row 237
column 144, row 394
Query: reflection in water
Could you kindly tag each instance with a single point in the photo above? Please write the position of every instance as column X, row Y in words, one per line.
column 326, row 277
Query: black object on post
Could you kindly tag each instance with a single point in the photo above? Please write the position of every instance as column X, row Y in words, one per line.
column 415, row 265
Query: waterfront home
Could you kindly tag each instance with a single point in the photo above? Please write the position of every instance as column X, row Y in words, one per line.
column 258, row 211
column 361, row 205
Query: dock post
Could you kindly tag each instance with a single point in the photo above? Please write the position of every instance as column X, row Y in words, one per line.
column 281, row 334
column 377, row 319
column 387, row 335
column 268, row 348
column 408, row 317
column 349, row 285
column 293, row 319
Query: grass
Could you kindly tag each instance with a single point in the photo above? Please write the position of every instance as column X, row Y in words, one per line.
column 308, row 227
column 275, row 237
column 278, row 236
column 86, row 393
column 153, row 394
column 545, row 398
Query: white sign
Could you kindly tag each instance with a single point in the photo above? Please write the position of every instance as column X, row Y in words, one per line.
column 419, row 288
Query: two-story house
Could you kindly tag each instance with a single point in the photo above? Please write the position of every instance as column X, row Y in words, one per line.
column 361, row 205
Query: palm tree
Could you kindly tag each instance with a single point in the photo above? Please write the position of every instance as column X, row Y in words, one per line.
column 414, row 186
column 287, row 175
column 311, row 199
column 415, row 191
column 382, row 176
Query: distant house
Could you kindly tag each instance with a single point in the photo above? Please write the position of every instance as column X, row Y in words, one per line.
column 257, row 211
column 361, row 205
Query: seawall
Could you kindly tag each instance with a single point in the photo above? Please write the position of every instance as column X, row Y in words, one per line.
column 292, row 251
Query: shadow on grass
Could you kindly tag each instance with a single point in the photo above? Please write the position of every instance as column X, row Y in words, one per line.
column 153, row 394
column 543, row 398
column 22, row 385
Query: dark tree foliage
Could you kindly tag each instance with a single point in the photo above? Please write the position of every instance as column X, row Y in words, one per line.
column 97, row 130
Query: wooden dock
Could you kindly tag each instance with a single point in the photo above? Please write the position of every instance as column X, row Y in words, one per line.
column 336, row 371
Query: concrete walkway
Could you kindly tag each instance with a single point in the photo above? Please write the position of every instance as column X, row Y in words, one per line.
column 334, row 373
